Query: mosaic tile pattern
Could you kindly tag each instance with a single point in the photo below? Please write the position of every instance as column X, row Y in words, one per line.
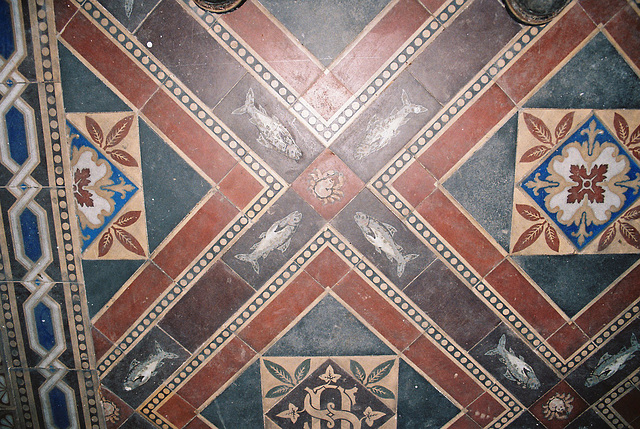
column 428, row 219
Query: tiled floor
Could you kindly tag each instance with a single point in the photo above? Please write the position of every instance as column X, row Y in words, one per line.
column 315, row 214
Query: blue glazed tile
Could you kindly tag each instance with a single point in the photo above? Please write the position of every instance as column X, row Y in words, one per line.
column 325, row 27
column 573, row 281
column 598, row 77
column 329, row 329
column 240, row 405
column 420, row 405
column 484, row 184
column 171, row 187
column 591, row 136
column 21, row 125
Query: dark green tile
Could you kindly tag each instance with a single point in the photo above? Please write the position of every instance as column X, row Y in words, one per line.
column 573, row 281
column 598, row 77
column 325, row 27
column 329, row 329
column 240, row 404
column 484, row 184
column 103, row 278
column 171, row 187
column 420, row 405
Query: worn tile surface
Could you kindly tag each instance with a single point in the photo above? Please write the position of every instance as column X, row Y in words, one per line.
column 313, row 214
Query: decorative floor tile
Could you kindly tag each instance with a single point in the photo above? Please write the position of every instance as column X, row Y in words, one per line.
column 582, row 176
column 394, row 214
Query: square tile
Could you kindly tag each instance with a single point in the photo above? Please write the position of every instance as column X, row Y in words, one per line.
column 383, row 239
column 558, row 407
column 580, row 179
column 328, row 184
column 385, row 127
column 252, row 112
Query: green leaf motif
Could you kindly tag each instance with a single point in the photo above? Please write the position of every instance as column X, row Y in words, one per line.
column 302, row 370
column 380, row 372
column 381, row 392
column 277, row 391
column 279, row 372
column 358, row 371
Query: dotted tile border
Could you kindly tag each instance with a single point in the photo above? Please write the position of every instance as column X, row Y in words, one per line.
column 324, row 130
column 606, row 334
column 181, row 94
column 324, row 238
column 449, row 112
column 605, row 406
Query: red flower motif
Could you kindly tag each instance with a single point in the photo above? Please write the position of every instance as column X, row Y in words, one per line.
column 587, row 183
column 81, row 179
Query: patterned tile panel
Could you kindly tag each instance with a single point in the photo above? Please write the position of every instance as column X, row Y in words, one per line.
column 210, row 221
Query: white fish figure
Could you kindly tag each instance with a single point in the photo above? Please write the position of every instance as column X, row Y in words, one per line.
column 517, row 369
column 381, row 131
column 128, row 7
column 278, row 236
column 381, row 236
column 141, row 372
column 609, row 365
column 273, row 134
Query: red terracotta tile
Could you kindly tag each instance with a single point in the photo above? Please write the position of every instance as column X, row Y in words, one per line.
column 124, row 410
column 568, row 340
column 415, row 184
column 101, row 344
column 274, row 46
column 177, row 411
column 64, row 11
column 433, row 5
column 625, row 29
column 627, row 406
column 525, row 299
column 132, row 302
column 189, row 136
column 541, row 58
column 239, row 186
column 578, row 404
column 197, row 423
column 379, row 44
column 444, row 371
column 195, row 235
column 440, row 212
column 215, row 373
column 305, row 184
column 214, row 298
column 109, row 60
column 327, row 95
column 279, row 313
column 464, row 422
column 327, row 268
column 485, row 409
column 612, row 303
column 466, row 132
column 381, row 315
column 601, row 11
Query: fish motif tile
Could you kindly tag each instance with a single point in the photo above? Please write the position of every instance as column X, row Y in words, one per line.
column 391, row 247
